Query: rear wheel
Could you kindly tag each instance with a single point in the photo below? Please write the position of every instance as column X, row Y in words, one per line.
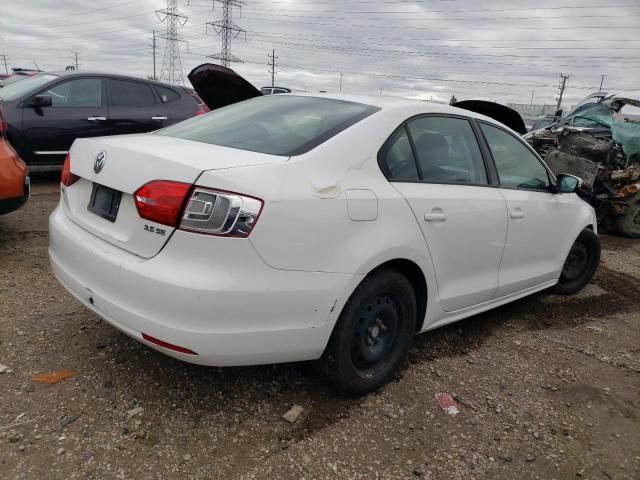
column 372, row 336
column 629, row 223
column 581, row 264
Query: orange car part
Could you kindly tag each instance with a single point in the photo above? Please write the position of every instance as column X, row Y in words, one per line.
column 13, row 172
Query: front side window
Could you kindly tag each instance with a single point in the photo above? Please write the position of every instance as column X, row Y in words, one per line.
column 130, row 94
column 81, row 92
column 447, row 150
column 277, row 124
column 517, row 166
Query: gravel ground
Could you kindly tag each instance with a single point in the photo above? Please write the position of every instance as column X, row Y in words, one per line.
column 548, row 388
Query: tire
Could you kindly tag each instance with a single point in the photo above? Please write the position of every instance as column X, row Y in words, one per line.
column 629, row 223
column 581, row 264
column 372, row 336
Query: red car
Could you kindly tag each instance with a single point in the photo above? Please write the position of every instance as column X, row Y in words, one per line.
column 14, row 178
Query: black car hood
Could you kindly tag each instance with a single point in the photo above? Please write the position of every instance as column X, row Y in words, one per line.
column 220, row 86
column 505, row 115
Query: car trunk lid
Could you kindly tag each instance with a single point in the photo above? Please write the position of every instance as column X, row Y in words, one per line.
column 220, row 86
column 505, row 115
column 112, row 169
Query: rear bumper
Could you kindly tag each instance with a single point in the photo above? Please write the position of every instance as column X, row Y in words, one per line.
column 211, row 295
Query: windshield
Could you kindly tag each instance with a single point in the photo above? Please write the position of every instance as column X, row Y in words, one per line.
column 276, row 125
column 24, row 87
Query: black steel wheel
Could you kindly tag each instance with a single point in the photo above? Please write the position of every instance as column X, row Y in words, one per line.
column 581, row 264
column 372, row 336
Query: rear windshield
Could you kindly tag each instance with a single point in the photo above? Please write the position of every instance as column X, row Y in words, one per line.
column 25, row 87
column 276, row 125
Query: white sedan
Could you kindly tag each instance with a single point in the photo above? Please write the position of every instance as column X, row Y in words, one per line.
column 314, row 227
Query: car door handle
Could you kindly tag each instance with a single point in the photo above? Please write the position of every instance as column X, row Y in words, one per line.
column 517, row 213
column 97, row 119
column 435, row 217
column 158, row 118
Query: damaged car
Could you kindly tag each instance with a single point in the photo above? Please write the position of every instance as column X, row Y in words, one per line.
column 599, row 141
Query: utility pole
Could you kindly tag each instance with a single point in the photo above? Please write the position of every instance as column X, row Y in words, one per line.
column 273, row 66
column 75, row 60
column 4, row 60
column 341, row 75
column 227, row 29
column 171, row 64
column 532, row 94
column 154, row 49
column 601, row 82
column 563, row 85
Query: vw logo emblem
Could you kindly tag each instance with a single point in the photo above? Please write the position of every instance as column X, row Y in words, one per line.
column 98, row 165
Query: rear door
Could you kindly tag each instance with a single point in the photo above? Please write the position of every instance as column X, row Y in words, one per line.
column 437, row 164
column 539, row 220
column 78, row 110
column 134, row 107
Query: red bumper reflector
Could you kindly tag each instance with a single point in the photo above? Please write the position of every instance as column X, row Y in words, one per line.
column 175, row 348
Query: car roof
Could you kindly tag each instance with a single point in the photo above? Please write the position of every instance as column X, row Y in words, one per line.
column 88, row 73
column 399, row 103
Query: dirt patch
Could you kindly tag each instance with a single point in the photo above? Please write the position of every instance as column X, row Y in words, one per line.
column 547, row 388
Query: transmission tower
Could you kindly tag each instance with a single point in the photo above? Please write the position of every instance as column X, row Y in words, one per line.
column 171, row 64
column 227, row 29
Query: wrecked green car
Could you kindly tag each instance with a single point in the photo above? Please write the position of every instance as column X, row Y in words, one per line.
column 599, row 141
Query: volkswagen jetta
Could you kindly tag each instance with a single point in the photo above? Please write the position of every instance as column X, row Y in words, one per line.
column 314, row 227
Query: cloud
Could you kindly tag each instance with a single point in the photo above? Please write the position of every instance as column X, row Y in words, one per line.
column 494, row 49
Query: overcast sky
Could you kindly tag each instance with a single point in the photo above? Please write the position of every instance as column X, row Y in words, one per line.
column 495, row 49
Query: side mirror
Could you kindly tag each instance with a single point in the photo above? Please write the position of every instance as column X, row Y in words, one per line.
column 566, row 183
column 41, row 101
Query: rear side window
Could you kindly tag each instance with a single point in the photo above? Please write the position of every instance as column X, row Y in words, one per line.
column 277, row 125
column 517, row 166
column 398, row 161
column 167, row 95
column 130, row 94
column 447, row 150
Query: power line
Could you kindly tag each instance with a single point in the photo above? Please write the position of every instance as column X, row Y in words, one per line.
column 537, row 28
column 466, row 10
column 227, row 29
column 82, row 13
column 171, row 63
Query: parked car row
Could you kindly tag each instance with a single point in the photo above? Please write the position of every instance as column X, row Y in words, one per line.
column 42, row 114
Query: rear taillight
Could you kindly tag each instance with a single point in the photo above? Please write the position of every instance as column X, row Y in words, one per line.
column 212, row 212
column 161, row 201
column 202, row 109
column 217, row 212
column 67, row 177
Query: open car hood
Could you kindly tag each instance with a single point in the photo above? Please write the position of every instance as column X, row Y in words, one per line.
column 220, row 86
column 505, row 115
